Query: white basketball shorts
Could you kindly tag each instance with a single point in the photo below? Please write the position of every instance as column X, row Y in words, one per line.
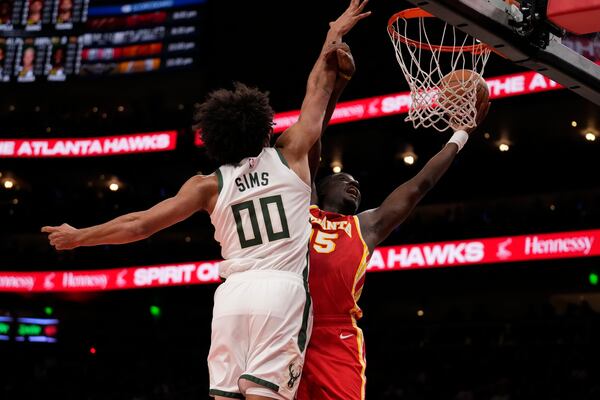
column 260, row 329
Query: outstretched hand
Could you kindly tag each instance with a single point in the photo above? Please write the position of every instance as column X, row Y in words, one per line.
column 482, row 111
column 338, row 55
column 345, row 61
column 63, row 237
column 350, row 17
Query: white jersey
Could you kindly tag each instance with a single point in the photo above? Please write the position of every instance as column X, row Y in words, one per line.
column 261, row 216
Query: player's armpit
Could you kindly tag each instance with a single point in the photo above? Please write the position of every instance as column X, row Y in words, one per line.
column 378, row 223
column 198, row 193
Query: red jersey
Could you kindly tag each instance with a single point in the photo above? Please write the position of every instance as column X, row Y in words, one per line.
column 338, row 264
column 334, row 367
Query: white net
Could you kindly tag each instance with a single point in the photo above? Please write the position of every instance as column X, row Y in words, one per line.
column 426, row 58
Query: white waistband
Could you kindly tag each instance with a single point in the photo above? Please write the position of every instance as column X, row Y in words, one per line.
column 265, row 274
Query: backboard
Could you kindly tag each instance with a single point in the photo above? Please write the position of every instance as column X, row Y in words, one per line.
column 523, row 35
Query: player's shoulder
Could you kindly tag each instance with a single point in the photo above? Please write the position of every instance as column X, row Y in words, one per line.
column 201, row 179
column 204, row 183
column 204, row 188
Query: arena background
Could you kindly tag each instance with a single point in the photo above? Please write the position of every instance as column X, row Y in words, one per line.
column 509, row 330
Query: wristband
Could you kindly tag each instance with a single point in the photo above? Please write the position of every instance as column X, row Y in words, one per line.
column 459, row 138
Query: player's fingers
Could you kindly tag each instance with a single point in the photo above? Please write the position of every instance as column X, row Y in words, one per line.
column 343, row 47
column 344, row 57
column 343, row 53
column 330, row 49
column 47, row 229
column 363, row 15
column 362, row 6
column 483, row 111
column 487, row 107
column 345, row 60
column 487, row 110
column 334, row 47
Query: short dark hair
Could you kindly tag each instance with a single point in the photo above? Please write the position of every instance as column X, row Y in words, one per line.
column 235, row 124
column 322, row 186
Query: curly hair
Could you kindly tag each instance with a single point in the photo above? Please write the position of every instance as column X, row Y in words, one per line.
column 235, row 124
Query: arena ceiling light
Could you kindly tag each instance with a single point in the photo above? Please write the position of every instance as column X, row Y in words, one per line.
column 8, row 183
column 408, row 155
column 504, row 143
column 336, row 166
column 409, row 158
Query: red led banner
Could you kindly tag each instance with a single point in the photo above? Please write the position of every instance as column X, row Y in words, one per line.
column 89, row 147
column 111, row 279
column 392, row 258
column 487, row 251
column 381, row 106
column 393, row 104
column 349, row 111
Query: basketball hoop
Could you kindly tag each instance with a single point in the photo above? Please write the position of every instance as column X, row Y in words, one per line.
column 428, row 49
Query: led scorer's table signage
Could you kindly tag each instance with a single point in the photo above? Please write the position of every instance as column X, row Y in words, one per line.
column 393, row 258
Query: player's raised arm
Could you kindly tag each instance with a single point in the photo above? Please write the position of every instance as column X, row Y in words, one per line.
column 296, row 142
column 198, row 193
column 378, row 223
column 346, row 69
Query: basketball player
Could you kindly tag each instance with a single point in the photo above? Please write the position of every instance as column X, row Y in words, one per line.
column 26, row 72
column 340, row 248
column 35, row 12
column 258, row 201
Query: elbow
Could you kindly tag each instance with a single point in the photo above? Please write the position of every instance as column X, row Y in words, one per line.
column 137, row 229
column 421, row 189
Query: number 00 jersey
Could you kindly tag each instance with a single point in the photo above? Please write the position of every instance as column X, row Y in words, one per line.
column 261, row 216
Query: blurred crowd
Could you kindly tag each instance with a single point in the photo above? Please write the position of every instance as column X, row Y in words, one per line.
column 547, row 355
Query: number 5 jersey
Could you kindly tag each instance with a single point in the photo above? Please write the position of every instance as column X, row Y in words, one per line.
column 335, row 363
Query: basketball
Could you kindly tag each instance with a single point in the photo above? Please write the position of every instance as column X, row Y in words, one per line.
column 455, row 89
column 458, row 82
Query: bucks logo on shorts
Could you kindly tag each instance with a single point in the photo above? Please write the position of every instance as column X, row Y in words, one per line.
column 294, row 374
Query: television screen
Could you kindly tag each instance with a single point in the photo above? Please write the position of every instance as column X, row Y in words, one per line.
column 56, row 40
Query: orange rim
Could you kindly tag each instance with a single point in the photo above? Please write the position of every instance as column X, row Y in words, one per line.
column 413, row 13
